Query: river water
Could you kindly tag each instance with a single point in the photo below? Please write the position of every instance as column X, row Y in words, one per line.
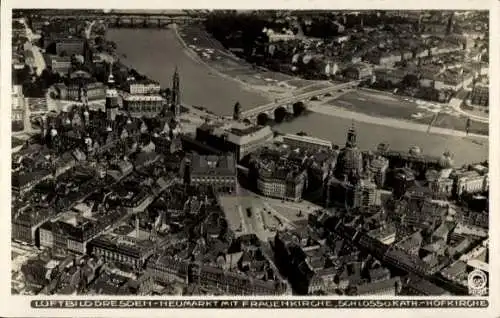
column 156, row 53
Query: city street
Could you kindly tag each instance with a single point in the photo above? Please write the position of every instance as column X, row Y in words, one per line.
column 267, row 214
column 244, row 215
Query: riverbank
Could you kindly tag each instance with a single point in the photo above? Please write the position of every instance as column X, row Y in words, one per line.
column 371, row 132
column 204, row 48
column 156, row 53
column 385, row 105
column 192, row 54
column 210, row 51
column 386, row 121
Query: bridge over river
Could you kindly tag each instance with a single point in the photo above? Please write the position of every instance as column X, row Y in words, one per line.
column 287, row 102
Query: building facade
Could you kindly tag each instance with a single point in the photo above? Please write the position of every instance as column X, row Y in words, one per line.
column 123, row 250
column 139, row 105
column 306, row 142
column 288, row 185
column 145, row 87
column 60, row 64
column 480, row 95
column 86, row 91
column 471, row 182
column 241, row 141
column 364, row 194
column 70, row 46
column 217, row 171
column 378, row 167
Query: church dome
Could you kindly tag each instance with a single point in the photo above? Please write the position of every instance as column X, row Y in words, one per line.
column 349, row 160
column 415, row 151
column 446, row 160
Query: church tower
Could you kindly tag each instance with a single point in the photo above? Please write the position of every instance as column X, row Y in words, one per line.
column 176, row 102
column 111, row 97
column 450, row 24
column 351, row 137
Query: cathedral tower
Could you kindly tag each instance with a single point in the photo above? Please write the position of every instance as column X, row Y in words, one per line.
column 111, row 97
column 176, row 101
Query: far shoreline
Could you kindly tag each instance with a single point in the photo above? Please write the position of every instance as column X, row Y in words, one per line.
column 336, row 112
column 378, row 119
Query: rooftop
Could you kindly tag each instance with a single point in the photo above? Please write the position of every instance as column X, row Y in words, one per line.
column 219, row 165
column 124, row 244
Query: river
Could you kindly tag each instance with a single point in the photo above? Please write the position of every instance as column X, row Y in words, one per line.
column 156, row 53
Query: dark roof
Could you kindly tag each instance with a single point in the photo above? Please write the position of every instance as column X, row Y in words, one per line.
column 224, row 165
column 425, row 287
column 20, row 180
column 377, row 286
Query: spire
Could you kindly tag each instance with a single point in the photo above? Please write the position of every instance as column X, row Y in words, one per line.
column 351, row 136
column 111, row 79
column 176, row 93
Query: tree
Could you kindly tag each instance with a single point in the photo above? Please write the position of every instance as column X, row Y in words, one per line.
column 262, row 119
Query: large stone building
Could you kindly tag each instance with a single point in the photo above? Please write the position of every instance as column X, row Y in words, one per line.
column 145, row 87
column 378, row 168
column 281, row 179
column 216, row 171
column 471, row 182
column 59, row 64
column 480, row 94
column 350, row 160
column 81, row 91
column 69, row 46
column 124, row 250
column 364, row 194
column 143, row 105
column 241, row 140
column 306, row 142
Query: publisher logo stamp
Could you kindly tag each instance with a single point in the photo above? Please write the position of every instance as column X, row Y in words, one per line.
column 477, row 282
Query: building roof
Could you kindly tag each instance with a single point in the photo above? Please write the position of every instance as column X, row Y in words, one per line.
column 224, row 165
column 307, row 139
column 379, row 286
column 125, row 245
column 425, row 287
column 142, row 98
column 242, row 136
column 22, row 179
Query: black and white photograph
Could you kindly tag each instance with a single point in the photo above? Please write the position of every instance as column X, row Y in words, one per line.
column 250, row 153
